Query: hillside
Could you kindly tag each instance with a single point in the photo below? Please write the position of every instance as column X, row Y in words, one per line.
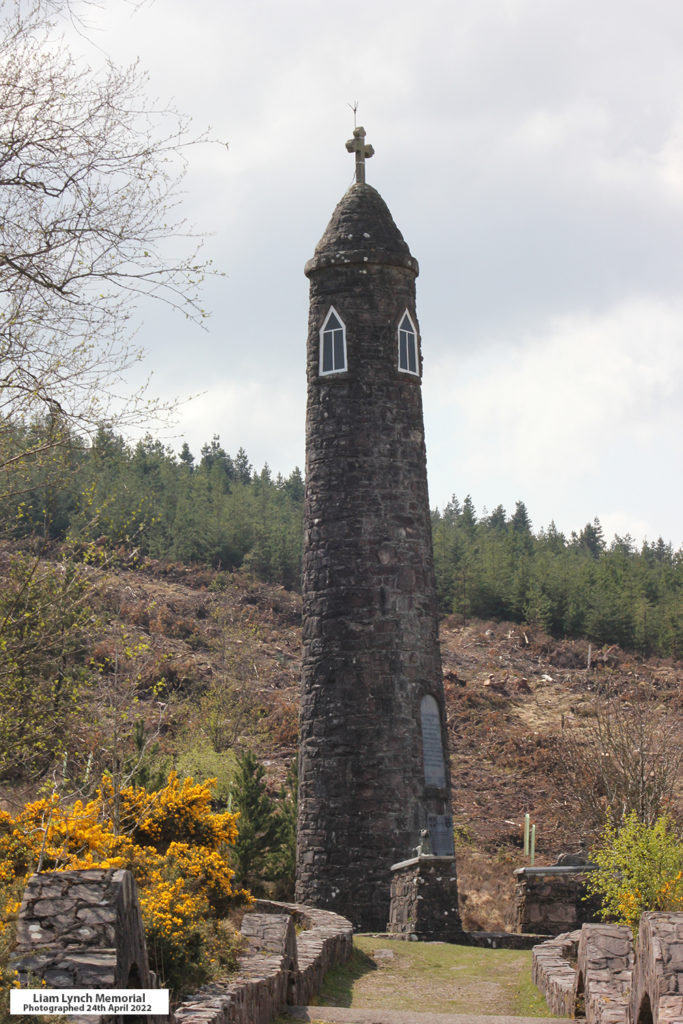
column 228, row 649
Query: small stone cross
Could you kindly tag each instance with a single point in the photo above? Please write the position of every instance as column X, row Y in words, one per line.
column 357, row 145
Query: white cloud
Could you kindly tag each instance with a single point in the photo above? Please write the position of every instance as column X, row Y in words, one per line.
column 262, row 416
column 620, row 523
column 588, row 399
column 670, row 158
column 579, row 383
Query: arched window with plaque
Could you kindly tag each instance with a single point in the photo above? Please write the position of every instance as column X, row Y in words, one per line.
column 432, row 744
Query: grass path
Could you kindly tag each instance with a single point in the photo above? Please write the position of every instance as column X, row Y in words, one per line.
column 434, row 976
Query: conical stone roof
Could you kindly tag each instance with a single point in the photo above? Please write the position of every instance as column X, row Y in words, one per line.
column 361, row 230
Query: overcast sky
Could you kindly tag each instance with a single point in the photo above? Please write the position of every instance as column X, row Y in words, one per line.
column 531, row 153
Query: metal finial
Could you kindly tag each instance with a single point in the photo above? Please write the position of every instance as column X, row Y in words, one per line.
column 363, row 152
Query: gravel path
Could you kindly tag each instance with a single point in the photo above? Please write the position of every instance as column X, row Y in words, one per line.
column 343, row 1015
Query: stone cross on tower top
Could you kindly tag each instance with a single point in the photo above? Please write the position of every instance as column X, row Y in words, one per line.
column 363, row 152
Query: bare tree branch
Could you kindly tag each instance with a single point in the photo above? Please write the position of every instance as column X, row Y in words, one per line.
column 90, row 182
column 624, row 755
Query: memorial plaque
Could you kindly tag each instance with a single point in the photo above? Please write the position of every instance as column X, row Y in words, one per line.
column 441, row 834
column 432, row 747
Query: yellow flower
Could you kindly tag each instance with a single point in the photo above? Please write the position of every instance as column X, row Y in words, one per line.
column 172, row 841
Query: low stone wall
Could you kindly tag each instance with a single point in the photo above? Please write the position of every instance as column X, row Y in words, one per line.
column 252, row 997
column 82, row 929
column 658, row 980
column 275, row 934
column 424, row 900
column 594, row 972
column 327, row 940
column 552, row 972
column 279, row 967
column 551, row 900
column 604, row 973
column 501, row 940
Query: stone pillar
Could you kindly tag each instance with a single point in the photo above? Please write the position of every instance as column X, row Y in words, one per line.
column 551, row 900
column 424, row 900
column 374, row 767
column 604, row 973
column 82, row 929
column 657, row 993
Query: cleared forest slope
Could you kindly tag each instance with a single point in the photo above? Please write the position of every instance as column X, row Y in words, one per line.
column 227, row 648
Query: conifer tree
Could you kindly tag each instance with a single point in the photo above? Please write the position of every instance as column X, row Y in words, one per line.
column 259, row 830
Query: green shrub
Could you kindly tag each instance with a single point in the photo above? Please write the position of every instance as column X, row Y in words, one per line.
column 640, row 867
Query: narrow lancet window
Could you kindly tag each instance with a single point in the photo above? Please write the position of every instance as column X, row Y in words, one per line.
column 333, row 344
column 407, row 345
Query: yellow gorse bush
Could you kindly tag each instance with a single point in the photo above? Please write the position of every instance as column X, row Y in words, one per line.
column 173, row 842
column 169, row 908
column 182, row 810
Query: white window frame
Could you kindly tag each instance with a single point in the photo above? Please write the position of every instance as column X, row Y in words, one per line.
column 323, row 330
column 413, row 331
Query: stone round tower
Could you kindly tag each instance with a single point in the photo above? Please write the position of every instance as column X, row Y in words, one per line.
column 374, row 765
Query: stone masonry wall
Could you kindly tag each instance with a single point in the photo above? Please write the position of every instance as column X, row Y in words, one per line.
column 424, row 900
column 325, row 940
column 595, row 974
column 551, row 901
column 658, row 979
column 552, row 972
column 604, row 973
column 82, row 929
column 260, row 990
column 274, row 971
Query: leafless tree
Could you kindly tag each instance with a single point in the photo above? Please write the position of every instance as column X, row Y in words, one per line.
column 624, row 754
column 230, row 706
column 90, row 182
column 90, row 177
